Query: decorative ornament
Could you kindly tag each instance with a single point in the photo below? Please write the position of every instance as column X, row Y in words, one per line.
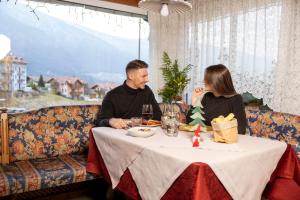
column 198, row 122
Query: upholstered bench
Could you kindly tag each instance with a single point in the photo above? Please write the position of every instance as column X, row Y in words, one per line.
column 275, row 125
column 45, row 148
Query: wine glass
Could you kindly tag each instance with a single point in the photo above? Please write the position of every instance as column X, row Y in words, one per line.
column 147, row 112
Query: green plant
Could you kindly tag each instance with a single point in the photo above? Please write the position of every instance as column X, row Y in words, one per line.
column 175, row 79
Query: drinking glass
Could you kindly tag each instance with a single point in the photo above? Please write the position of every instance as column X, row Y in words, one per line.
column 147, row 112
column 171, row 124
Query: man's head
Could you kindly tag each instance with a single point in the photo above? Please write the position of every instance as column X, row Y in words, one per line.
column 137, row 74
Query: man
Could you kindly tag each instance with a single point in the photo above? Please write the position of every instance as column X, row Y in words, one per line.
column 126, row 101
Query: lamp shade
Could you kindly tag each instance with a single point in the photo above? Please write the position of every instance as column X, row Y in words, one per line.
column 174, row 6
column 164, row 11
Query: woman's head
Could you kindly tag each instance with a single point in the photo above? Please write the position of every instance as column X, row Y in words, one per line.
column 218, row 80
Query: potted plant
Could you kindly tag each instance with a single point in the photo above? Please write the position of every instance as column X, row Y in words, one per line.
column 175, row 79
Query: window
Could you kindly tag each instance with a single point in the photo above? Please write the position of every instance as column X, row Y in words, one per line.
column 68, row 54
column 243, row 37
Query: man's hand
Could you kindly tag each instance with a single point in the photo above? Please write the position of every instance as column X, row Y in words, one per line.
column 117, row 123
column 196, row 93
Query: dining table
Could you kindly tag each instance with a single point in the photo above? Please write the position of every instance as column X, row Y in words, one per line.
column 163, row 167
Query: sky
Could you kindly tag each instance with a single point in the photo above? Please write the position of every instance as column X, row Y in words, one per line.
column 111, row 24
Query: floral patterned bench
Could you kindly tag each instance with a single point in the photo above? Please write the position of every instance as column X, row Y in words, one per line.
column 275, row 125
column 47, row 148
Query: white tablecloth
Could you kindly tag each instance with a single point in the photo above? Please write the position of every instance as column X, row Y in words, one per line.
column 155, row 162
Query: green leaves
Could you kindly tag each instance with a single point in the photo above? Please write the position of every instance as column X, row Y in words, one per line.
column 175, row 79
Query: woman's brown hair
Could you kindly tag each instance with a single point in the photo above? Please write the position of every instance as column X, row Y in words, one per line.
column 219, row 78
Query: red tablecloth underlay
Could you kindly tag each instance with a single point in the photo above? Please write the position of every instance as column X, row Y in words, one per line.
column 198, row 181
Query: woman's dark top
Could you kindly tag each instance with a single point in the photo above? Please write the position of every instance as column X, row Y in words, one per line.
column 215, row 106
column 125, row 102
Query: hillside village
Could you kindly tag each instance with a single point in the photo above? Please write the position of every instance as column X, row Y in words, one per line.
column 15, row 83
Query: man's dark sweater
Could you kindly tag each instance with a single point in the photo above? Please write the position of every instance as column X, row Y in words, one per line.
column 215, row 106
column 125, row 102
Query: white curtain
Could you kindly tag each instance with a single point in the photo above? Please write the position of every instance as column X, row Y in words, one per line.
column 248, row 36
column 287, row 84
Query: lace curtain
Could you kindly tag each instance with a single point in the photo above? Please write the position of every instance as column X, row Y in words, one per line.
column 245, row 35
column 287, row 84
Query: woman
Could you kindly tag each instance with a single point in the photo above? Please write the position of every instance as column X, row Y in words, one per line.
column 220, row 97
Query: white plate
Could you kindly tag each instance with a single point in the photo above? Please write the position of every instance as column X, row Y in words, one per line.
column 141, row 131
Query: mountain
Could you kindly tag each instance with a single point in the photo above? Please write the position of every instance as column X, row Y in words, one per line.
column 53, row 47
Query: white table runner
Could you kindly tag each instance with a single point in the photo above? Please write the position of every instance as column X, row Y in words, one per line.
column 155, row 162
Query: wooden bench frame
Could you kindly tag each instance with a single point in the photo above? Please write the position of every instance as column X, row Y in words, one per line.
column 4, row 157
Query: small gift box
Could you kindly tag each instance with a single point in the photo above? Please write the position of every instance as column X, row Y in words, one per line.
column 225, row 131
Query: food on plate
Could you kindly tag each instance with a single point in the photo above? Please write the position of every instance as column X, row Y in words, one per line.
column 151, row 122
column 144, row 129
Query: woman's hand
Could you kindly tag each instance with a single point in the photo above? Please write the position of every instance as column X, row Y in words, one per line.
column 197, row 93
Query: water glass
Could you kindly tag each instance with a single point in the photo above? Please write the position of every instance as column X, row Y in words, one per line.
column 171, row 124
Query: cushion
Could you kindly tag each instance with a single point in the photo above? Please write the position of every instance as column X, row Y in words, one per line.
column 29, row 175
column 275, row 125
column 50, row 132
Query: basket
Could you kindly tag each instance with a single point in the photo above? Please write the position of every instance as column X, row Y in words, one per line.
column 225, row 132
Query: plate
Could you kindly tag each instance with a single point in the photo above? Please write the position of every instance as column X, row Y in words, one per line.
column 141, row 131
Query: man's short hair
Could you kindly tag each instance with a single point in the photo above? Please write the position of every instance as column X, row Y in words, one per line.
column 136, row 64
